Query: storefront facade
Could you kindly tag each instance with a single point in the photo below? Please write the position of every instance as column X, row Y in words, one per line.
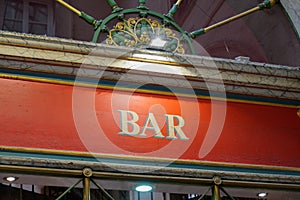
column 149, row 116
column 83, row 120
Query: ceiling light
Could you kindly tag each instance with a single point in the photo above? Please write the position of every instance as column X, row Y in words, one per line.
column 10, row 178
column 157, row 43
column 143, row 188
column 262, row 194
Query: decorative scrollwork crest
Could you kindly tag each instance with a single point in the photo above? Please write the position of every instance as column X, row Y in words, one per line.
column 139, row 32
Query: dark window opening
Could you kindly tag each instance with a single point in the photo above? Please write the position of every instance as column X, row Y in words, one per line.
column 27, row 16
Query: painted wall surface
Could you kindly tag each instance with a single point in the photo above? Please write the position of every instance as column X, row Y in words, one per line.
column 59, row 117
column 292, row 8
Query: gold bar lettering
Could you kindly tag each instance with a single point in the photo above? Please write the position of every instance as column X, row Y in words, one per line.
column 129, row 126
column 154, row 127
column 172, row 129
column 126, row 122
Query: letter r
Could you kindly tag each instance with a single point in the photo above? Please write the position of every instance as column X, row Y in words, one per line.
column 172, row 129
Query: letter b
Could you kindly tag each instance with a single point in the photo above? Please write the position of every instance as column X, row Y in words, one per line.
column 126, row 122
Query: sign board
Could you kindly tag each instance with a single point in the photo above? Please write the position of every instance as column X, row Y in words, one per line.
column 56, row 117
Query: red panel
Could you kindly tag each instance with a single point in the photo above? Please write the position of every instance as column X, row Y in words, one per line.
column 40, row 115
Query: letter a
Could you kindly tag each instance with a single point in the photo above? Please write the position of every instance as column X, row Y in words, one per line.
column 155, row 128
column 172, row 128
column 125, row 122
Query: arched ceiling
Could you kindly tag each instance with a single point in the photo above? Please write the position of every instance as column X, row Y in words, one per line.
column 265, row 36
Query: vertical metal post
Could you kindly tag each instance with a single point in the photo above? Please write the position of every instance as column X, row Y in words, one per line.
column 216, row 193
column 10, row 192
column 87, row 173
column 86, row 188
column 21, row 192
column 139, row 196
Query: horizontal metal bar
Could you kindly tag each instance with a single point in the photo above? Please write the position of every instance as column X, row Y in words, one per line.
column 264, row 185
column 41, row 170
column 155, row 178
column 196, row 171
column 140, row 158
column 196, row 181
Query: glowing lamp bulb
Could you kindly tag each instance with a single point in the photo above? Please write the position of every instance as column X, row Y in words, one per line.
column 143, row 188
column 262, row 194
column 10, row 178
column 157, row 43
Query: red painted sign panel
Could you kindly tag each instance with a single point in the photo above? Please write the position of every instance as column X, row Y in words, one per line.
column 59, row 117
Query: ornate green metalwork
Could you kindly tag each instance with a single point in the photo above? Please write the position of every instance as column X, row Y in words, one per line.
column 142, row 4
column 139, row 32
column 267, row 4
column 196, row 33
column 127, row 37
column 184, row 38
column 89, row 19
column 113, row 5
column 174, row 9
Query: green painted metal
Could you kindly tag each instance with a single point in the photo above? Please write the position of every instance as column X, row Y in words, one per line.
column 111, row 3
column 261, row 6
column 196, row 33
column 69, row 189
column 142, row 3
column 267, row 4
column 204, row 194
column 103, row 190
column 166, row 21
column 75, row 184
column 89, row 19
column 172, row 11
column 228, row 195
column 114, row 6
column 216, row 192
column 86, row 188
